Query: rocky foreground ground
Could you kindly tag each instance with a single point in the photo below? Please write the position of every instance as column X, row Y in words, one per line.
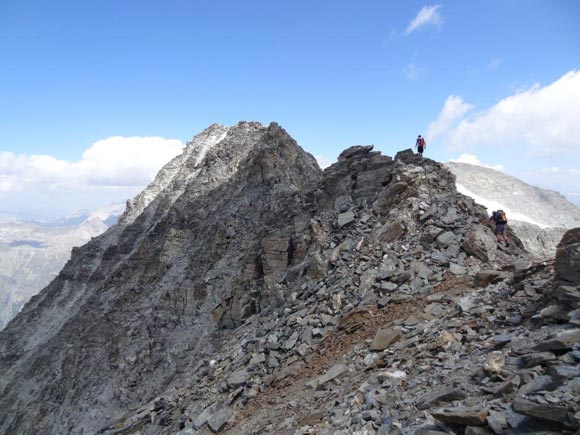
column 248, row 292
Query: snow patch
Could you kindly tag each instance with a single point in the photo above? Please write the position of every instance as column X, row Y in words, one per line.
column 175, row 170
column 492, row 205
column 211, row 140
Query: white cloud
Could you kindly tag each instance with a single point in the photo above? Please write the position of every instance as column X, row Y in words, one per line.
column 473, row 160
column 115, row 161
column 428, row 15
column 453, row 109
column 543, row 120
column 413, row 72
column 116, row 164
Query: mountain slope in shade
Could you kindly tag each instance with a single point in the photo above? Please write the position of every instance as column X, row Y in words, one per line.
column 205, row 224
column 32, row 253
column 539, row 217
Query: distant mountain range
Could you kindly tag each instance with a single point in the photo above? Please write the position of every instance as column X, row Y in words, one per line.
column 33, row 252
column 539, row 217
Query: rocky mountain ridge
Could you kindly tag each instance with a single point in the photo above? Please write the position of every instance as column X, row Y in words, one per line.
column 192, row 164
column 263, row 295
column 539, row 217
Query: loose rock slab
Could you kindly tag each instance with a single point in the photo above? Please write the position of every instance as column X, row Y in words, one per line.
column 473, row 416
column 237, row 379
column 562, row 341
column 550, row 412
column 330, row 375
column 385, row 338
column 345, row 218
column 219, row 419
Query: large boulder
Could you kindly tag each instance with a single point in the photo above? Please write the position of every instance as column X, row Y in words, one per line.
column 566, row 288
column 567, row 265
column 480, row 242
column 389, row 196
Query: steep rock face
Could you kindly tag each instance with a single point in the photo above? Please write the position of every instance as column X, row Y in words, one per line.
column 129, row 310
column 568, row 258
column 566, row 289
column 216, row 307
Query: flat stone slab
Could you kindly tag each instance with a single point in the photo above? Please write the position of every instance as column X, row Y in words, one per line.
column 312, row 419
column 345, row 218
column 257, row 359
column 441, row 395
column 477, row 430
column 237, row 379
column 562, row 341
column 219, row 419
column 457, row 269
column 437, row 432
column 548, row 411
column 330, row 375
column 473, row 416
column 563, row 372
column 385, row 338
column 539, row 358
column 333, row 373
column 486, row 277
column 202, row 418
column 446, row 238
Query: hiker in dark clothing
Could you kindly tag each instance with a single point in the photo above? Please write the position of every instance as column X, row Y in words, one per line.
column 500, row 220
column 420, row 144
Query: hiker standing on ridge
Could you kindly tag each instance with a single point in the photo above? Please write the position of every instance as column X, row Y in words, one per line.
column 420, row 144
column 500, row 220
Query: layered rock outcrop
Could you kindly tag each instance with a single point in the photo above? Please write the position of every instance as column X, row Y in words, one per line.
column 565, row 294
column 247, row 291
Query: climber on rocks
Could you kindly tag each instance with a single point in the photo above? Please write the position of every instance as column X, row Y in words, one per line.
column 500, row 219
column 420, row 144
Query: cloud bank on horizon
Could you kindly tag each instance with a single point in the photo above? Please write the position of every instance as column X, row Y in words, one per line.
column 114, row 169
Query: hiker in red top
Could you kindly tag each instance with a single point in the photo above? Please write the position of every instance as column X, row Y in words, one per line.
column 420, row 144
column 500, row 219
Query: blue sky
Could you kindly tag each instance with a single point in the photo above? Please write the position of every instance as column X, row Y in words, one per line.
column 333, row 73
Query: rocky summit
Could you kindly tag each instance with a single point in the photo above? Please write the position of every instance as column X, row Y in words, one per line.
column 246, row 291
